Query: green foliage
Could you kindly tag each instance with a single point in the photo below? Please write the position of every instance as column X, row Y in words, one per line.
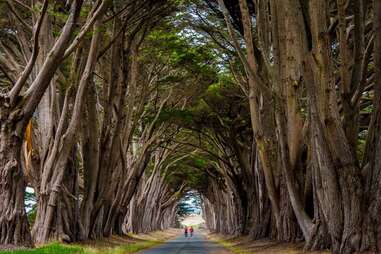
column 177, row 51
column 37, row 7
column 222, row 106
column 214, row 89
column 367, row 109
column 184, row 209
column 32, row 214
column 85, row 10
column 171, row 115
column 189, row 204
column 58, row 13
column 200, row 162
column 191, row 169
column 361, row 144
column 189, row 61
column 31, row 206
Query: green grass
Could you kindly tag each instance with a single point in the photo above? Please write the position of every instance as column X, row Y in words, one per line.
column 229, row 246
column 52, row 248
column 57, row 248
column 123, row 249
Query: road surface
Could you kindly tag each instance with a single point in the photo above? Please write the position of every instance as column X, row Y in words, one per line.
column 197, row 244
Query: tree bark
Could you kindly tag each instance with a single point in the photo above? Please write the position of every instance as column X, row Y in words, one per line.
column 371, row 229
column 14, row 226
column 52, row 197
column 337, row 177
column 15, row 115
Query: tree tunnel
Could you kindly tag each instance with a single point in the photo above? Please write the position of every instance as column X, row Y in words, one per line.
column 265, row 113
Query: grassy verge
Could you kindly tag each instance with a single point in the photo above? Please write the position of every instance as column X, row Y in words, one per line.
column 245, row 245
column 113, row 245
column 57, row 248
column 230, row 246
column 123, row 249
column 50, row 248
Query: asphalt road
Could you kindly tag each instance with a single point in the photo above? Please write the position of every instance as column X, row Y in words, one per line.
column 197, row 244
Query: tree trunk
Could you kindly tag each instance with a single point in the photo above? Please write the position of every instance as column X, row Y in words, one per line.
column 338, row 177
column 261, row 225
column 58, row 219
column 371, row 229
column 90, row 151
column 15, row 113
column 53, row 196
column 14, row 226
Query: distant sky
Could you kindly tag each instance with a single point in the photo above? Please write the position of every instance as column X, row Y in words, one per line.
column 29, row 203
column 193, row 220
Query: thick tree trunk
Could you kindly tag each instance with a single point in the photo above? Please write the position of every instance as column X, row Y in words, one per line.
column 64, row 223
column 90, row 151
column 54, row 200
column 261, row 224
column 14, row 226
column 290, row 45
column 109, row 145
column 336, row 174
column 371, row 229
column 15, row 113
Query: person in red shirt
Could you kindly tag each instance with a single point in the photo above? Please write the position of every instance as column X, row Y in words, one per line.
column 191, row 231
column 186, row 231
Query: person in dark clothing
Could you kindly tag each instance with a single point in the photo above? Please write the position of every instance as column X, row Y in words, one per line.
column 186, row 231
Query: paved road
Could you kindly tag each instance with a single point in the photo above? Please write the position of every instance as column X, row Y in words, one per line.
column 181, row 245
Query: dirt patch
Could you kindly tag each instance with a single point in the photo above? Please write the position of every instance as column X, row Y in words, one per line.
column 108, row 242
column 158, row 235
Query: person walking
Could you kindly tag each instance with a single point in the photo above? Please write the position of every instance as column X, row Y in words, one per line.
column 186, row 231
column 191, row 231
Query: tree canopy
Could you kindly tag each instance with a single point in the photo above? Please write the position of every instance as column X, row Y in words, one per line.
column 265, row 113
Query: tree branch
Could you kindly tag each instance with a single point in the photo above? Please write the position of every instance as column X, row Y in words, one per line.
column 52, row 62
column 89, row 23
column 21, row 20
column 28, row 69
